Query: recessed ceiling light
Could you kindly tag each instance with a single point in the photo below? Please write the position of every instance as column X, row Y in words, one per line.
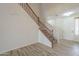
column 68, row 13
column 49, row 21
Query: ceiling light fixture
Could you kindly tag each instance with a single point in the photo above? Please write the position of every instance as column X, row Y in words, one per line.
column 68, row 13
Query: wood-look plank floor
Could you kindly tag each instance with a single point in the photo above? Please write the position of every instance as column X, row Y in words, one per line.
column 65, row 48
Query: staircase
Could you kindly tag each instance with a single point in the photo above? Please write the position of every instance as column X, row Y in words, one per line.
column 46, row 31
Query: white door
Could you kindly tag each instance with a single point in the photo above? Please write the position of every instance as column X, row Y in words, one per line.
column 69, row 29
column 76, row 29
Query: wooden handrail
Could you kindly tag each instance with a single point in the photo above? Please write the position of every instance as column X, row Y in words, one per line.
column 31, row 9
column 41, row 23
column 37, row 17
column 42, row 26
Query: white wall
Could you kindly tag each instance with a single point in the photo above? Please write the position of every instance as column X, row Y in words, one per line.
column 17, row 29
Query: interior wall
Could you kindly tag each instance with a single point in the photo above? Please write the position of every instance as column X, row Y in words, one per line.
column 17, row 28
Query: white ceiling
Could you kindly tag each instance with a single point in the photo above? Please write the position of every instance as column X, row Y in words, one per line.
column 57, row 9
